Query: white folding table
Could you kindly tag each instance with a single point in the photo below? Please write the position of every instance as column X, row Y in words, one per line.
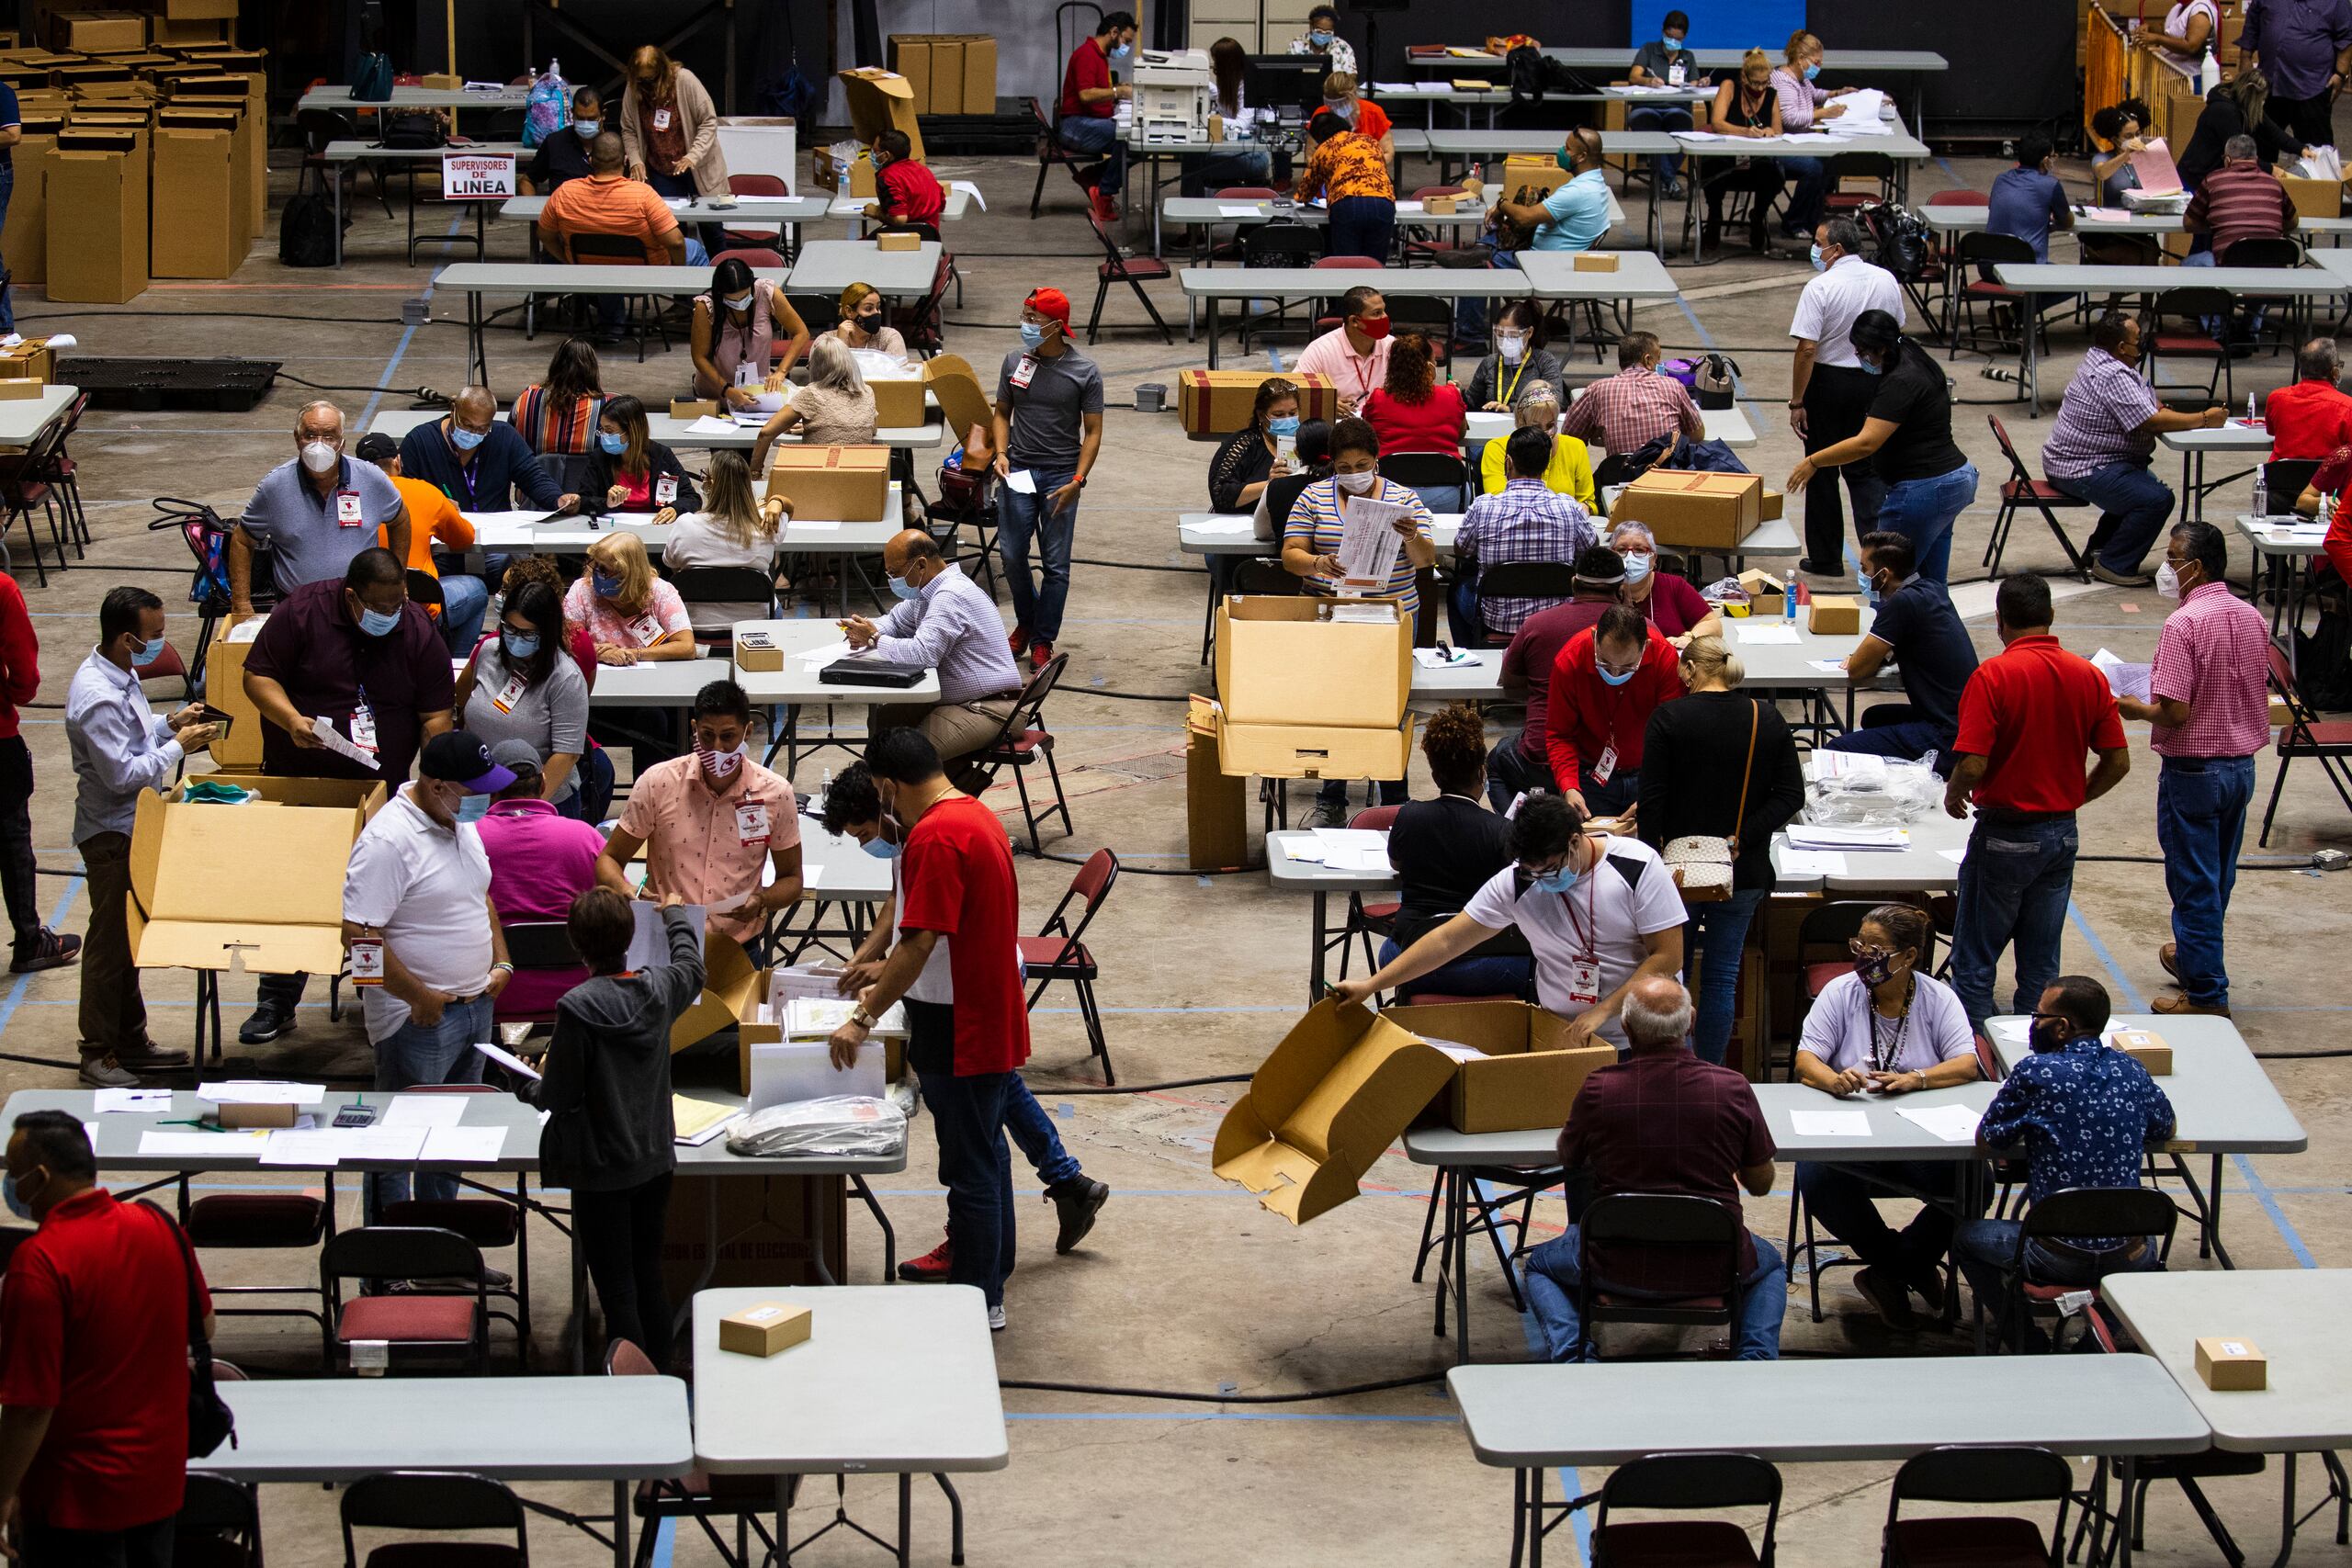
column 1929, row 863
column 796, row 685
column 21, row 419
column 2287, row 549
column 476, row 281
column 409, row 159
column 2235, row 438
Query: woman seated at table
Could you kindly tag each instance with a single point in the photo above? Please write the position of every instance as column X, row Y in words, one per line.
column 734, row 332
column 865, row 317
column 1748, row 106
column 1244, row 161
column 1518, row 359
column 1412, row 411
column 835, row 409
column 632, row 472
column 1312, row 462
column 1673, row 607
column 1887, row 1028
column 578, row 643
column 1444, row 851
column 519, row 686
column 1259, row 451
column 733, row 529
column 556, row 417
column 635, row 618
column 1570, row 471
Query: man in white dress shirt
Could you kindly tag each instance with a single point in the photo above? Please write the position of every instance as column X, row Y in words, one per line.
column 1830, row 391
column 944, row 622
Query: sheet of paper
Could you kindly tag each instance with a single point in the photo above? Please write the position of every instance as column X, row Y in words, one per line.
column 650, row 944
column 1459, row 1052
column 1816, row 836
column 463, row 1146
column 1810, row 138
column 1827, row 666
column 424, row 1110
column 334, row 741
column 2105, row 215
column 380, row 1142
column 2158, row 175
column 1830, row 1124
column 307, row 1147
column 1810, row 863
column 507, row 1059
column 1771, row 635
column 153, row 1101
column 1700, row 136
column 1022, row 481
column 817, row 658
column 245, row 631
column 1408, row 207
column 1306, row 852
column 1352, row 838
column 2125, row 678
column 1859, row 766
column 1240, row 209
column 1350, row 858
column 2014, row 1030
column 810, row 873
column 1955, row 856
column 1225, row 528
column 202, row 1146
column 713, row 424
column 1430, row 658
column 968, row 188
column 1861, row 104
column 261, row 1091
column 1952, row 1123
column 814, row 526
column 1369, row 542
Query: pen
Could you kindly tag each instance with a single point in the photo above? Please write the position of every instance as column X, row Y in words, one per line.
column 197, row 1123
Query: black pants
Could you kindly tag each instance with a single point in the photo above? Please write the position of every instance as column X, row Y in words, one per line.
column 620, row 1236
column 1763, row 178
column 141, row 1546
column 16, row 840
column 1837, row 401
column 2310, row 122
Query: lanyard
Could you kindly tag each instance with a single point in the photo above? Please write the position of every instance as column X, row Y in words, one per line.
column 1511, row 390
column 1585, row 936
column 1364, row 373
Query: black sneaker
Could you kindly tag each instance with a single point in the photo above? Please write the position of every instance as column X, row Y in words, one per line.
column 1077, row 1200
column 1887, row 1297
column 270, row 1020
column 49, row 949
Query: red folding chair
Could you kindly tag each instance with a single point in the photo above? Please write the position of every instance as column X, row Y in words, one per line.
column 1059, row 952
column 2329, row 744
column 2020, row 490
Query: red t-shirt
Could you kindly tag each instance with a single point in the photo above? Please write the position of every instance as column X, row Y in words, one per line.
column 1089, row 68
column 2307, row 420
column 960, row 883
column 2033, row 711
column 19, row 655
column 93, row 1329
column 1433, row 424
column 911, row 193
column 1584, row 714
column 1371, row 119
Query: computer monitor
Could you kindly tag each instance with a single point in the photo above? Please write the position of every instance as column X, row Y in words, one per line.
column 1285, row 81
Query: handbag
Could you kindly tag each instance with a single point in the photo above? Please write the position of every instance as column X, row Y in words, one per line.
column 1702, row 866
column 209, row 1419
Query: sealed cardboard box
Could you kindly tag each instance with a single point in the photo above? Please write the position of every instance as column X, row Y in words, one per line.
column 2313, row 199
column 195, row 903
column 843, row 174
column 1514, row 1068
column 31, row 360
column 1216, row 821
column 1594, row 260
column 169, row 31
column 2232, row 1366
column 1218, row 403
column 765, row 1329
column 910, row 58
column 1528, row 179
column 1278, row 662
column 768, row 1231
column 97, row 215
column 198, row 207
column 196, row 10
column 1712, row 511
column 1774, row 502
column 1341, row 1084
column 898, row 240
column 1833, row 614
column 757, row 649
column 257, row 1115
column 880, row 101
column 93, row 32
column 844, row 484
column 14, row 389
column 1313, row 750
column 948, row 75
column 979, row 73
column 24, row 244
column 2146, row 1047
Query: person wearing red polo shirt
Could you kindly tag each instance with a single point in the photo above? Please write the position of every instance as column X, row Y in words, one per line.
column 1089, row 109
column 908, row 193
column 960, row 889
column 93, row 1348
column 2026, row 718
column 1605, row 684
column 2314, row 417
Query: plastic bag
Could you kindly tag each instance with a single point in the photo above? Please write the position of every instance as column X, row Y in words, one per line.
column 549, row 107
column 1864, row 797
column 837, row 1124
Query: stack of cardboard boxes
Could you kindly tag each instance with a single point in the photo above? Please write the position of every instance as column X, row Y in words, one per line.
column 948, row 73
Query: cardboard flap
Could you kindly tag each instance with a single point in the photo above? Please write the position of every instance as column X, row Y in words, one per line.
column 190, row 864
column 880, row 101
column 961, row 401
column 223, row 945
column 729, row 979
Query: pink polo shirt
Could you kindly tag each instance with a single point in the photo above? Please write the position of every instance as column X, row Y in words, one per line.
column 539, row 861
column 2213, row 655
column 706, row 845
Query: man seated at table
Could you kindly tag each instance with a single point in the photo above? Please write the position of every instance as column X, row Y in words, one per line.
column 1525, row 521
column 2312, row 418
column 1523, row 761
column 944, row 622
column 1575, row 215
column 906, row 192
column 479, row 460
column 1625, row 413
column 2082, row 1114
column 709, row 822
column 609, row 203
column 564, row 154
column 434, row 519
column 1662, row 1120
column 1916, row 626
column 1605, row 684
column 1354, row 355
column 2240, row 200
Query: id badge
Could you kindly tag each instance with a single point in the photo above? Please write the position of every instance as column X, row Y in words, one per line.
column 1605, row 766
column 1584, row 981
column 751, row 824
column 648, row 630
column 368, row 961
column 346, row 509
column 1675, row 75
column 510, row 693
column 1022, row 372
column 661, row 119
column 665, row 489
column 363, row 728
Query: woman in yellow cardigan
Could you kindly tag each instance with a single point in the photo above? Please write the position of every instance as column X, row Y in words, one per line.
column 1571, row 469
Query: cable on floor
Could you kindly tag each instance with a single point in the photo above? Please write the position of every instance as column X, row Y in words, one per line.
column 1141, row 566
column 1151, row 1088
column 1110, row 1392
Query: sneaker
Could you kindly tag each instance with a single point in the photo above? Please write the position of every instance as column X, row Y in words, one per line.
column 933, row 1267
column 1675, row 190
column 1106, row 207
column 1326, row 814
column 1040, row 655
column 2115, row 579
column 50, row 950
column 2182, row 1002
column 1887, row 1297
column 1018, row 641
column 1077, row 1200
column 151, row 1057
column 270, row 1020
column 996, row 1319
column 105, row 1072
column 2167, row 955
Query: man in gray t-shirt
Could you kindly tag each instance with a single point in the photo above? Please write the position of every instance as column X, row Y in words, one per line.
column 315, row 512
column 1664, row 62
column 1048, row 430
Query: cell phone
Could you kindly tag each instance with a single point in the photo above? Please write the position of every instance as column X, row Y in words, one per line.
column 355, row 1115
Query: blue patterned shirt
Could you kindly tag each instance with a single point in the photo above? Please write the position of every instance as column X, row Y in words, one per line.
column 2085, row 1115
column 1525, row 521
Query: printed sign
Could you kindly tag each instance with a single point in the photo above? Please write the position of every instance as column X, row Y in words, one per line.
column 477, row 176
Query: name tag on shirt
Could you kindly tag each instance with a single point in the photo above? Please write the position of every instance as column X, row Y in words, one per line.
column 1584, row 981
column 665, row 489
column 1675, row 75
column 1023, row 372
column 367, row 961
column 363, row 728
column 346, row 509
column 661, row 119
column 510, row 693
column 1605, row 766
column 751, row 824
column 648, row 628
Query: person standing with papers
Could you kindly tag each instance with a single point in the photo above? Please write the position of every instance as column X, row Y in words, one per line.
column 1048, row 433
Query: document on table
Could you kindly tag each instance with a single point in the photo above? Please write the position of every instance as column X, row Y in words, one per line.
column 1858, row 766
column 1864, row 105
column 815, row 525
column 261, row 1091
column 204, row 1145
column 1021, row 481
column 1700, row 136
column 2015, row 1030
column 463, row 1146
column 1431, row 658
column 1811, row 138
column 331, row 1146
column 1350, row 838
column 1830, row 1124
column 425, row 1109
column 2104, row 214
column 1955, row 856
column 507, row 1059
column 1306, row 852
column 1350, row 857
column 1827, row 666
column 713, row 424
column 1810, row 863
column 1952, row 1123
column 2124, row 679
column 147, row 1099
column 1816, row 836
column 817, row 658
column 245, row 631
column 1225, row 528
column 1369, row 541
column 1779, row 635
column 1240, row 209
column 334, row 741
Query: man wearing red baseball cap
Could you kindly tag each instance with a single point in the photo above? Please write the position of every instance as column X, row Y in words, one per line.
column 1048, row 433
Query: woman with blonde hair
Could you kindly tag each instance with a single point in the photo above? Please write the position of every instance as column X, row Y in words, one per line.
column 1718, row 765
column 835, row 409
column 1569, row 470
column 866, row 319
column 733, row 529
column 1804, row 103
column 1746, row 105
column 1444, row 851
column 634, row 618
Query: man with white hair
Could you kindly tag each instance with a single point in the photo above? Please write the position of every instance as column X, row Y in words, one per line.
column 1661, row 1120
column 479, row 460
column 313, row 513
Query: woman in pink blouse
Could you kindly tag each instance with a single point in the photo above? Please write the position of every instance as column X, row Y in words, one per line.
column 1802, row 103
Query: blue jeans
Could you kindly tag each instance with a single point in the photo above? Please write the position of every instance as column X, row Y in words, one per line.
column 1622, row 790
column 463, row 600
column 1362, row 226
column 1924, row 511
column 1510, row 771
column 1668, row 119
column 2132, row 504
column 968, row 1115
column 1890, row 731
column 1206, row 172
column 1037, row 606
column 1034, row 1130
column 1840, row 1201
column 1099, row 135
column 1553, row 1276
column 8, row 189
column 2201, row 823
column 1463, row 620
column 587, row 804
column 1444, row 500
column 1987, row 1248
column 1812, row 180
column 1473, row 976
column 415, row 1053
column 2014, row 886
column 1719, row 931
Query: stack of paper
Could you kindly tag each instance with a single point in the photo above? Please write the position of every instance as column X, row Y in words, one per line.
column 698, row 1121
column 1816, row 836
column 1793, row 862
column 1238, row 209
column 1433, row 659
column 712, row 424
column 2125, row 680
column 261, row 1091
column 1860, row 767
column 1830, row 1124
column 1225, row 528
column 1863, row 115
column 1772, row 634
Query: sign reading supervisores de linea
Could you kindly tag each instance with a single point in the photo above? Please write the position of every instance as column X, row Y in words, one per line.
column 477, row 176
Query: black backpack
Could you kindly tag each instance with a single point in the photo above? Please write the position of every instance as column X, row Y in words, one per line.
column 415, row 131
column 305, row 234
column 1904, row 240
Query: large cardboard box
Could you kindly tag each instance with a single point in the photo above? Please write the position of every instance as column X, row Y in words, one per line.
column 1709, row 511
column 844, row 484
column 1342, row 1084
column 2313, row 199
column 224, row 688
column 239, row 76
column 196, row 902
column 97, row 215
column 24, row 244
column 100, row 79
column 1524, row 1074
column 1528, row 179
column 200, row 201
column 196, row 10
column 94, row 31
column 734, row 995
column 1216, row 821
column 979, row 73
column 946, row 67
column 910, row 58
column 169, row 31
column 880, row 101
column 1218, row 403
column 1279, row 663
column 1313, row 750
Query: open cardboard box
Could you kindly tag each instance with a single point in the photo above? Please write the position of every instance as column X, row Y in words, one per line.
column 1527, row 1074
column 1308, row 698
column 734, row 992
column 224, row 688
column 902, row 401
column 880, row 101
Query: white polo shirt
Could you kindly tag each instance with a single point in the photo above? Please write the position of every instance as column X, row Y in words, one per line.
column 1831, row 300
column 1627, row 895
column 426, row 889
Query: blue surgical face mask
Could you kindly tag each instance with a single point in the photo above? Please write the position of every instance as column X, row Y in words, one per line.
column 1559, row 880
column 1031, row 335
column 15, row 1199
column 1673, row 44
column 738, row 301
column 881, row 848
column 1866, row 364
column 1286, row 425
column 605, row 587
column 1811, row 72
column 1818, row 265
column 520, row 644
column 1321, row 39
column 610, row 445
column 1122, row 52
column 149, row 651
column 1638, row 566
column 1611, row 677
column 465, row 440
column 1346, row 110
column 587, row 128
column 901, row 588
column 376, row 623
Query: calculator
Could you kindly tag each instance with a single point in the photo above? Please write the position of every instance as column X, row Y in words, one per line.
column 355, row 1116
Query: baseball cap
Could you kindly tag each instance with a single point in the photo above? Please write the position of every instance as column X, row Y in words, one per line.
column 457, row 756
column 1049, row 302
column 374, row 447
column 513, row 754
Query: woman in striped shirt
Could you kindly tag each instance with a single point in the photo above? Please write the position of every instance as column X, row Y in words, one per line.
column 558, row 417
column 1802, row 103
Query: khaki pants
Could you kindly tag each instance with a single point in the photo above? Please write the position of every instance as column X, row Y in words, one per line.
column 114, row 1016
column 956, row 730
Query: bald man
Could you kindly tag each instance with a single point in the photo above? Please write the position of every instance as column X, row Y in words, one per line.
column 313, row 513
column 479, row 461
column 943, row 622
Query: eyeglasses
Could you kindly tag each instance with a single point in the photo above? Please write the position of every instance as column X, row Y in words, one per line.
column 1615, row 668
column 1865, row 953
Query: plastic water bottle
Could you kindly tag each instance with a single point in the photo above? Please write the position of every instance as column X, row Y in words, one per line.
column 2249, row 408
column 2209, row 73
column 825, row 788
column 1789, row 600
column 2261, row 494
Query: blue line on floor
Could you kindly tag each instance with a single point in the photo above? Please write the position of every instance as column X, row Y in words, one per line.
column 16, row 995
column 665, row 1543
column 2263, row 1195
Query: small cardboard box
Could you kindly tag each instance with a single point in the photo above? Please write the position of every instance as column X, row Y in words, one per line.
column 843, row 484
column 224, row 688
column 692, row 407
column 1341, row 1084
column 1833, row 614
column 765, row 1329
column 880, row 101
column 94, row 32
column 1528, row 179
column 1278, row 663
column 2146, row 1047
column 758, row 651
column 2313, row 199
column 441, row 80
column 31, row 360
column 1774, row 501
column 2232, row 1366
column 1594, row 260
column 829, row 171
column 257, row 1115
column 1524, row 1074
column 1218, row 403
column 97, row 215
column 1438, row 206
column 199, row 206
column 903, row 402
column 898, row 240
column 1756, row 581
column 1712, row 511
column 14, row 389
column 1217, row 819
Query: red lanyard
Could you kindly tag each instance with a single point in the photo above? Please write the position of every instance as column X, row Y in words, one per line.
column 1586, row 935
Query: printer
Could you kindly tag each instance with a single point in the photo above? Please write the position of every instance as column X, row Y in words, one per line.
column 1174, row 92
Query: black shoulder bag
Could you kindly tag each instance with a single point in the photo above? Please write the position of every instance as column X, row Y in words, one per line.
column 209, row 1419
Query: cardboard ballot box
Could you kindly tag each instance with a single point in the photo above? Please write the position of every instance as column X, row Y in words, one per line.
column 1514, row 1068
column 1306, row 697
column 1709, row 511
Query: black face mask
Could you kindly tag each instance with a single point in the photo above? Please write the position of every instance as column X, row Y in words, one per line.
column 2047, row 1034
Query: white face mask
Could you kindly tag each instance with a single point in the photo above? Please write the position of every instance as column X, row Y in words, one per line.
column 320, row 455
column 2167, row 581
column 1510, row 347
column 721, row 766
column 1357, row 484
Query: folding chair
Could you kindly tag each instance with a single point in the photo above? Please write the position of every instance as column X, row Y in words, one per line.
column 261, row 1222
column 2190, row 340
column 2020, row 490
column 754, row 257
column 430, row 1502
column 624, row 250
column 2286, row 311
column 769, row 236
column 919, row 323
column 724, row 585
column 1686, row 1484
column 2064, row 1218
column 60, row 474
column 1553, row 581
column 493, row 1222
column 1278, row 243
column 1050, row 151
column 1365, row 921
column 1698, row 1229
column 1955, row 1474
column 697, row 1495
column 22, row 489
column 2305, row 735
column 318, row 128
column 538, row 947
column 1434, row 469
column 1059, row 952
column 1857, row 166
column 1827, row 928
column 1978, row 253
column 1023, row 739
column 219, row 1523
column 1132, row 271
column 412, row 1320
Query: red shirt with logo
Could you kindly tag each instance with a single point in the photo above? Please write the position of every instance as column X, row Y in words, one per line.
column 2034, row 711
column 960, row 883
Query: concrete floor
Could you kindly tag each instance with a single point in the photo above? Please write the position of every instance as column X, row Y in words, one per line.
column 1186, row 1284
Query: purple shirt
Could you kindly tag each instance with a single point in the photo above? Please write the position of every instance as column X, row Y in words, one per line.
column 539, row 861
column 2106, row 404
column 2299, row 40
column 312, row 647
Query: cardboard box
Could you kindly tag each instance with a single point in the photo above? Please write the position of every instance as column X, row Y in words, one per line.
column 1313, row 750
column 101, row 79
column 196, row 902
column 1594, row 260
column 1341, row 1084
column 196, row 10
column 1528, row 179
column 1438, row 206
column 91, row 31
column 765, row 1329
column 166, row 32
column 828, row 170
column 758, row 651
column 946, row 84
column 2232, row 1366
column 1216, row 821
column 734, row 989
column 1218, row 403
column 1773, row 503
column 97, row 215
column 1278, row 663
column 366, row 796
column 14, row 389
column 1755, row 581
column 224, row 688
column 2313, row 199
column 768, row 1230
column 239, row 76
column 692, row 407
column 952, row 384
column 979, row 73
column 898, row 240
column 257, row 1115
column 1833, row 614
column 199, row 209
column 845, row 484
column 31, row 360
column 1525, row 1074
column 910, row 58
column 24, row 242
column 441, row 80
column 2146, row 1047
column 1712, row 511
column 880, row 101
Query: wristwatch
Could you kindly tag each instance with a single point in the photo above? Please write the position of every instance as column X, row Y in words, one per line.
column 860, row 1017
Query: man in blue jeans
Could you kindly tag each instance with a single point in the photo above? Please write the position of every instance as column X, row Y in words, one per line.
column 1048, row 430
column 2027, row 717
column 1089, row 122
column 1662, row 1120
column 2083, row 1114
column 1916, row 626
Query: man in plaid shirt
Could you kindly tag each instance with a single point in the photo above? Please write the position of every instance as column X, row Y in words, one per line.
column 1525, row 521
column 1625, row 413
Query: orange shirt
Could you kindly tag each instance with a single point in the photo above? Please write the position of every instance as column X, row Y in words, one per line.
column 610, row 204
column 1346, row 165
column 430, row 516
column 1371, row 119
